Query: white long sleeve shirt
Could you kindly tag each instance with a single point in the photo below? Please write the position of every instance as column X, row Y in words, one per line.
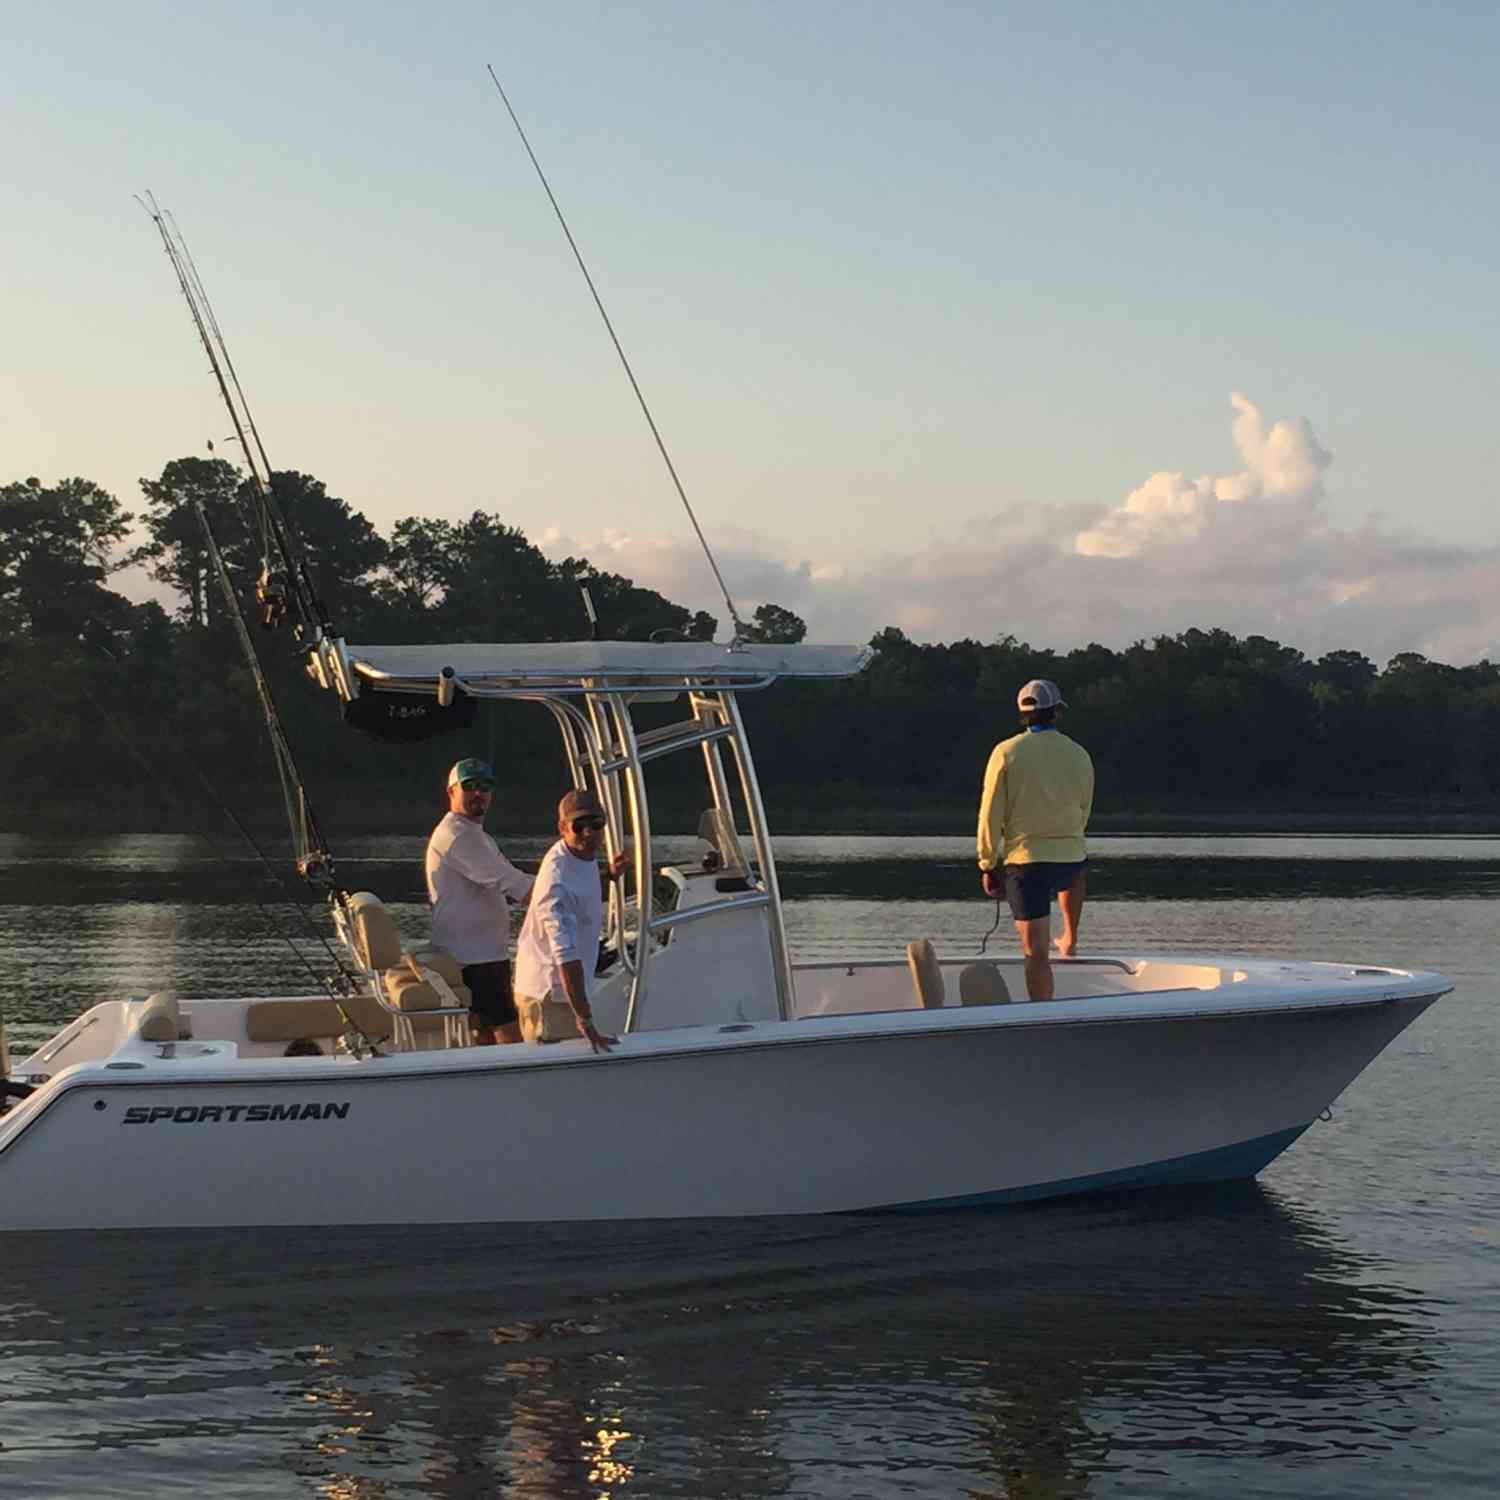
column 564, row 921
column 468, row 879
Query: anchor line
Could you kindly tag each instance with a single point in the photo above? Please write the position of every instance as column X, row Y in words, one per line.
column 741, row 632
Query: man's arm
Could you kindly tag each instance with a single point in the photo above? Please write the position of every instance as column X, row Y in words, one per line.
column 559, row 927
column 480, row 860
column 991, row 838
column 578, row 997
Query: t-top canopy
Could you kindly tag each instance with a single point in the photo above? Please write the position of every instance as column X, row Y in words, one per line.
column 573, row 665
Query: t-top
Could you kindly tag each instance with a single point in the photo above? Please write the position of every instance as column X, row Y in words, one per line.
column 564, row 921
column 1038, row 793
column 468, row 879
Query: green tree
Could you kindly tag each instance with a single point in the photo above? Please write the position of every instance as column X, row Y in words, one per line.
column 57, row 547
column 775, row 625
column 343, row 551
column 177, row 553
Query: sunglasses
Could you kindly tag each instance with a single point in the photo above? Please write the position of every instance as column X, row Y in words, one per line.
column 591, row 824
column 477, row 786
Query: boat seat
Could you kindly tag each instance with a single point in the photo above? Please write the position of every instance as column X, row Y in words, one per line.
column 926, row 974
column 983, row 984
column 293, row 1020
column 160, row 1019
column 423, row 990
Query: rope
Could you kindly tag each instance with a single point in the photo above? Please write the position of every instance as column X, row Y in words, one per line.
column 994, row 926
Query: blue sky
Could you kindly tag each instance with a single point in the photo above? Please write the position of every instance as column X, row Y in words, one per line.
column 920, row 295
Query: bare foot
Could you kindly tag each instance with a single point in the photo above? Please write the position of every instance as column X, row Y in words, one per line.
column 1064, row 948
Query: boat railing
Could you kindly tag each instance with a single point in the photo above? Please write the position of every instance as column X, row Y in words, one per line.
column 853, row 966
column 669, row 919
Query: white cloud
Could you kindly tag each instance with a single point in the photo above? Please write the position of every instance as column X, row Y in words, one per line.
column 1253, row 551
column 1286, row 464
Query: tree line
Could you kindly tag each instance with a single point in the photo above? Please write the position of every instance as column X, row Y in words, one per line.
column 113, row 699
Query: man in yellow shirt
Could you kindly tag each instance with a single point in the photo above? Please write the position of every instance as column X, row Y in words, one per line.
column 1038, row 792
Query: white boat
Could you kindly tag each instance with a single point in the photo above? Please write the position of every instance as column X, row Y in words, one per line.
column 744, row 1082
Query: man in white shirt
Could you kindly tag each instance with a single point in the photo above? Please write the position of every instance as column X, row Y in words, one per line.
column 559, row 945
column 468, row 880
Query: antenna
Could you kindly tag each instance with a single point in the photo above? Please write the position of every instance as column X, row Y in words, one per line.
column 740, row 632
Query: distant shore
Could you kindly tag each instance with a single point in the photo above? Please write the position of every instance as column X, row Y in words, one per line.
column 525, row 812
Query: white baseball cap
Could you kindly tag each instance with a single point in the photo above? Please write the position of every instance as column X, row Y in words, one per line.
column 1039, row 693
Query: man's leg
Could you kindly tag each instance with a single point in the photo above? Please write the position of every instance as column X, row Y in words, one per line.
column 1070, row 903
column 493, row 1017
column 1036, row 939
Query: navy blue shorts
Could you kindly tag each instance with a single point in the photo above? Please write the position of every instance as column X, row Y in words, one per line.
column 489, row 988
column 1030, row 888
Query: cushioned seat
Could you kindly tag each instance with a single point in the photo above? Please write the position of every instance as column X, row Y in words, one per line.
column 294, row 1020
column 427, row 979
column 424, row 990
column 983, row 984
column 926, row 974
column 160, row 1018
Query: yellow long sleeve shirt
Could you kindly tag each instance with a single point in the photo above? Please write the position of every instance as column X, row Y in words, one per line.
column 1038, row 793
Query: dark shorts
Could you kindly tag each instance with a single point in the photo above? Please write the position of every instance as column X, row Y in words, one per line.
column 489, row 985
column 1030, row 888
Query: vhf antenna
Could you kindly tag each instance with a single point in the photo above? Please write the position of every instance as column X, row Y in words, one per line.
column 740, row 631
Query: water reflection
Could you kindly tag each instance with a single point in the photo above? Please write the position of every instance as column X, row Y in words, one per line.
column 173, row 868
column 1019, row 1354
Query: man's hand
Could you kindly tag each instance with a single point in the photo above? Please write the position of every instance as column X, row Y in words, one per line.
column 616, row 866
column 992, row 882
column 597, row 1039
column 583, row 1015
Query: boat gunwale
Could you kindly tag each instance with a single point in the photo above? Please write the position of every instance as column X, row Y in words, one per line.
column 723, row 1038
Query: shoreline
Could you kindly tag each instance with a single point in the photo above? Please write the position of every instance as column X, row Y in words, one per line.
column 384, row 809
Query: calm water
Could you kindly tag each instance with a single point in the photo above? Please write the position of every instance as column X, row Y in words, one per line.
column 1329, row 1330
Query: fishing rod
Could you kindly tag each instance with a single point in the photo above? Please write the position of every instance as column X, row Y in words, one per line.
column 275, row 586
column 344, row 981
column 291, row 579
column 741, row 631
column 314, row 862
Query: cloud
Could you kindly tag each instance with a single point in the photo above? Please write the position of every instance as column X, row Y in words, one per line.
column 1285, row 465
column 1254, row 551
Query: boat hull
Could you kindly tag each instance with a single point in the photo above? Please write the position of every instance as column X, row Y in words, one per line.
column 927, row 1111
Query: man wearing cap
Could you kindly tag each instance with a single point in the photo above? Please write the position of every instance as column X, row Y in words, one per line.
column 1038, row 792
column 468, row 880
column 559, row 945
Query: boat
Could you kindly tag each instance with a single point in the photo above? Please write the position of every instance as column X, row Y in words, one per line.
column 744, row 1082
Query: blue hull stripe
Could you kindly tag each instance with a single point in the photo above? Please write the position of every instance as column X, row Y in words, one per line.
column 1222, row 1164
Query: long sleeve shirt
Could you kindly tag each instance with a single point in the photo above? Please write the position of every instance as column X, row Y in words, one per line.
column 468, row 880
column 564, row 921
column 1038, row 793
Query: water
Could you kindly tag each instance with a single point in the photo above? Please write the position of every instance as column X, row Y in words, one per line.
column 1328, row 1330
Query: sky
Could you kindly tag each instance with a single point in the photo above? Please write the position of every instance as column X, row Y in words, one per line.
column 1069, row 322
